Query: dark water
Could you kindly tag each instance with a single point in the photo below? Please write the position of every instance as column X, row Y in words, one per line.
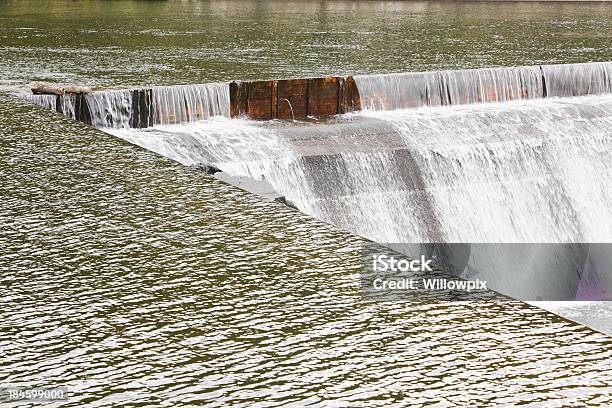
column 132, row 279
column 136, row 281
column 119, row 43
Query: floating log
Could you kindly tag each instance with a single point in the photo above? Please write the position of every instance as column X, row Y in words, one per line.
column 75, row 89
column 40, row 88
column 43, row 88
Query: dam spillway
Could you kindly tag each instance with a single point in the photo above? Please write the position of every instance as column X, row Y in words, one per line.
column 325, row 97
column 484, row 140
column 403, row 176
column 459, row 87
column 514, row 172
column 141, row 108
column 494, row 155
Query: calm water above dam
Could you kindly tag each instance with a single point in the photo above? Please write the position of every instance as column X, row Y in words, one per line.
column 129, row 43
column 133, row 279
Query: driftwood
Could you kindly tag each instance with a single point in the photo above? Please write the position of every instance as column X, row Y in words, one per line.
column 76, row 89
column 56, row 89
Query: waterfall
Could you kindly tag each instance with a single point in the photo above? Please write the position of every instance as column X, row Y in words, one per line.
column 160, row 105
column 521, row 172
column 110, row 109
column 480, row 161
column 66, row 103
column 169, row 105
column 189, row 103
column 524, row 171
column 578, row 79
column 439, row 88
column 527, row 171
column 398, row 91
column 242, row 147
column 46, row 101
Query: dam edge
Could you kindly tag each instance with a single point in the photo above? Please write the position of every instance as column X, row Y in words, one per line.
column 323, row 97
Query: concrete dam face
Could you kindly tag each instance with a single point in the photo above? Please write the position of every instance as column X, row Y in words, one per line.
column 495, row 155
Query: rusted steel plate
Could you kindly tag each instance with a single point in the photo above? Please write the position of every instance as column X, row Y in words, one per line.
column 293, row 98
column 239, row 97
column 292, row 101
column 260, row 100
column 142, row 115
column 323, row 96
column 349, row 95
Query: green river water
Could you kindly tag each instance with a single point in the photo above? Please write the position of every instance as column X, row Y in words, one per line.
column 136, row 281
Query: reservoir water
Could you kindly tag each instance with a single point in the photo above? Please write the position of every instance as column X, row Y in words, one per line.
column 129, row 43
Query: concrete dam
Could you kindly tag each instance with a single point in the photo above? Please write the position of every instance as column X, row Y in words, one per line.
column 492, row 155
column 324, row 97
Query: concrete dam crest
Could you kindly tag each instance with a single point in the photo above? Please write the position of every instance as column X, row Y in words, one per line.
column 324, row 97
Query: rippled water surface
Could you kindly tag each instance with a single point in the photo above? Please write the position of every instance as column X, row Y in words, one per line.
column 131, row 278
column 123, row 43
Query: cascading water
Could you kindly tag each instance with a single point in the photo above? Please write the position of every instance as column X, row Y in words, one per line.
column 398, row 91
column 415, row 89
column 110, row 109
column 516, row 170
column 169, row 105
column 578, row 79
column 242, row 147
column 523, row 171
column 190, row 103
column 66, row 103
column 46, row 101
